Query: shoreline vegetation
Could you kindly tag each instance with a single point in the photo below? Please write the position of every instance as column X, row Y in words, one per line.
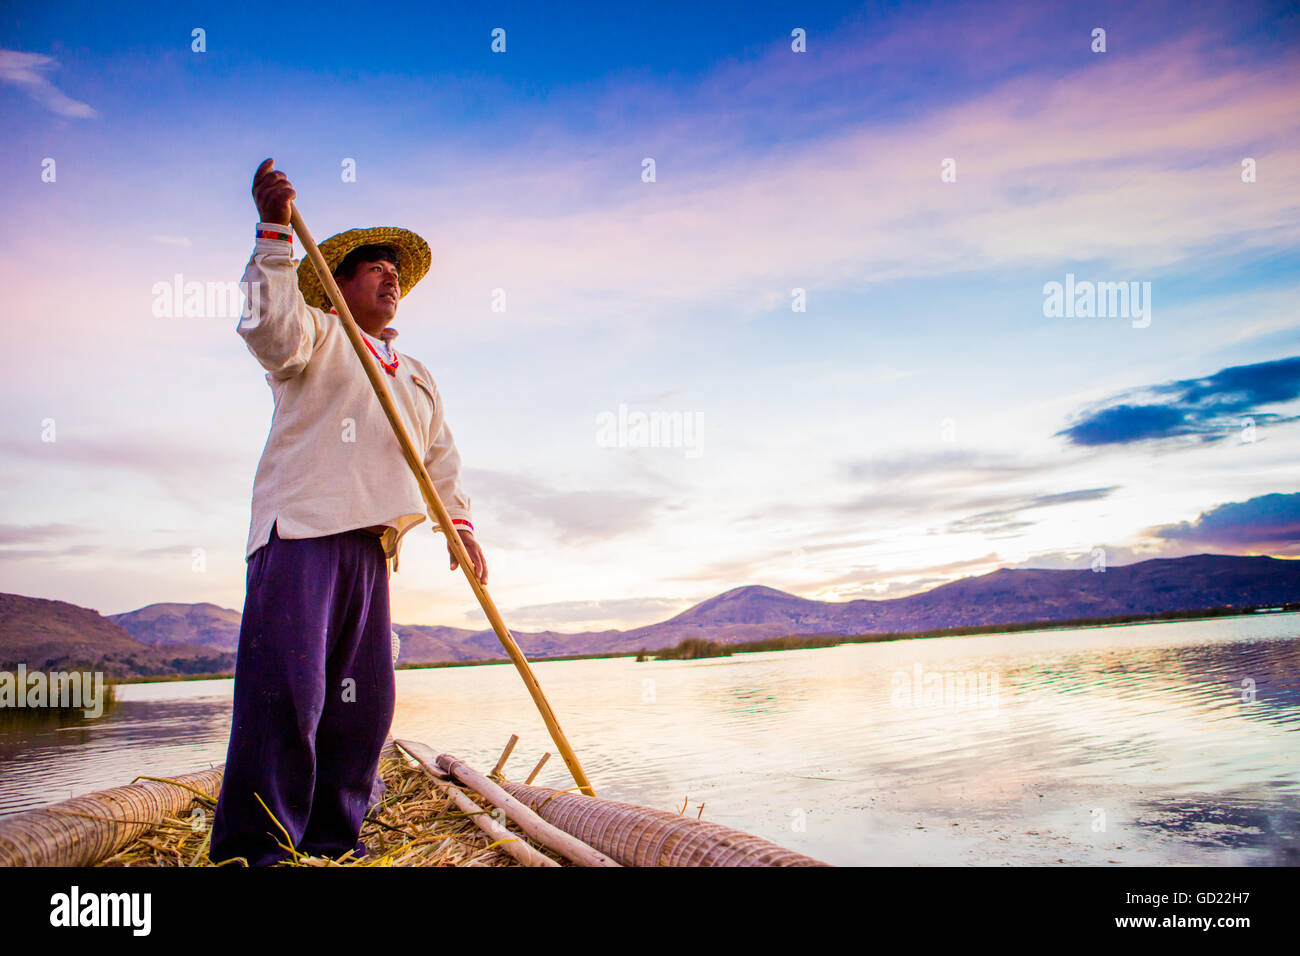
column 695, row 648
column 59, row 711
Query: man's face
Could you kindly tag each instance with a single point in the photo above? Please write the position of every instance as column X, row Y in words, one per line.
column 373, row 290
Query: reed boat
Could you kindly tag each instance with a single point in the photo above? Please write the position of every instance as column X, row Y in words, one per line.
column 436, row 810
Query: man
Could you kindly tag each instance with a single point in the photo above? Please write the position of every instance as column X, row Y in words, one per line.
column 332, row 499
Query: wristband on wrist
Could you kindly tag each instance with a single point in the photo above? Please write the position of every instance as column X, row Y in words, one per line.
column 286, row 235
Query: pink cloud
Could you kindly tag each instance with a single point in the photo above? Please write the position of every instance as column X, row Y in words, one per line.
column 1135, row 160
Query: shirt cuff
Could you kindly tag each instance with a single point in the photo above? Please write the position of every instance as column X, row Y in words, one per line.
column 273, row 237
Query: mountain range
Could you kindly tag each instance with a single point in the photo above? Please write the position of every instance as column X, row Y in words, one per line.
column 177, row 639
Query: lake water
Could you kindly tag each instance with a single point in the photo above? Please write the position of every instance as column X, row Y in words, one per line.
column 1172, row 743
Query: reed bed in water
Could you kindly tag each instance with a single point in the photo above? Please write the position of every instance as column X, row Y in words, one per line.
column 415, row 825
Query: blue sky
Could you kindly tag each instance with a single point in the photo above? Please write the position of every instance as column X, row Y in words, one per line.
column 921, row 419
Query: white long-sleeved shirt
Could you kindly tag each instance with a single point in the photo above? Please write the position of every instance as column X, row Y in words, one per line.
column 332, row 462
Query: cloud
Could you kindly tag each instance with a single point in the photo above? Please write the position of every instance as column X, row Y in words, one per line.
column 876, row 584
column 925, row 484
column 52, row 534
column 1124, row 424
column 1265, row 523
column 1209, row 408
column 571, row 517
column 1081, row 560
column 1004, row 520
column 35, row 554
column 596, row 615
column 194, row 472
column 956, row 463
column 11, row 534
column 906, row 494
column 26, row 71
column 734, row 572
column 1055, row 162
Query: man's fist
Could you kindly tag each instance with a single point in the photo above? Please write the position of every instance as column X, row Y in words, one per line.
column 272, row 192
column 475, row 555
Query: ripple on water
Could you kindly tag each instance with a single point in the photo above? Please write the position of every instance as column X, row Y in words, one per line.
column 1184, row 733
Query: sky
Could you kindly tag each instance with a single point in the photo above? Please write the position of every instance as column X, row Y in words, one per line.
column 820, row 242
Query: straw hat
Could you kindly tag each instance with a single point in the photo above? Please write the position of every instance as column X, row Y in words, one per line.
column 412, row 251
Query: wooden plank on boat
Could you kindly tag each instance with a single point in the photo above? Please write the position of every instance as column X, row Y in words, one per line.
column 505, row 755
column 510, row 842
column 567, row 845
column 538, row 769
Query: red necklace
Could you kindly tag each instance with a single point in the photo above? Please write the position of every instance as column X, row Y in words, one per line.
column 390, row 369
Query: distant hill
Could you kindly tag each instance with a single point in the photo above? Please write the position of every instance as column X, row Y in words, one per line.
column 204, row 624
column 1005, row 596
column 55, row 635
column 177, row 637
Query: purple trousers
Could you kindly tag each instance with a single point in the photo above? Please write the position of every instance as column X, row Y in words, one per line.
column 314, row 695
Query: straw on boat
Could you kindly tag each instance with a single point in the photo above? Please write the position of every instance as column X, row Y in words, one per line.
column 416, row 825
column 423, row 820
column 563, row 843
column 521, row 851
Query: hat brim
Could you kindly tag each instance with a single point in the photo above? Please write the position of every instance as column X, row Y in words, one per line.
column 412, row 252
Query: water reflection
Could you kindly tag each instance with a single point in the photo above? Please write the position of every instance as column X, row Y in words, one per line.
column 154, row 729
column 1268, row 832
column 1148, row 744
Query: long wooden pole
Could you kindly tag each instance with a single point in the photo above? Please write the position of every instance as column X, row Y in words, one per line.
column 565, row 844
column 416, row 462
column 508, row 841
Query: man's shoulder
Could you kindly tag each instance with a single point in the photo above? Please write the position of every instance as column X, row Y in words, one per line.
column 327, row 320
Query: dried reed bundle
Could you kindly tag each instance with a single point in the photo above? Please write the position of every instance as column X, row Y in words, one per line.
column 415, row 825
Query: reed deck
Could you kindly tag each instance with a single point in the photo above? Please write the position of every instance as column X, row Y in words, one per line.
column 414, row 825
column 422, row 819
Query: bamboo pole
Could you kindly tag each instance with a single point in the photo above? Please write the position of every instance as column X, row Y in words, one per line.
column 567, row 845
column 416, row 463
column 510, row 842
column 505, row 755
column 538, row 769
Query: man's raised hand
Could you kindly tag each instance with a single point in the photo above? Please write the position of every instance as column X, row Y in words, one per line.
column 272, row 192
